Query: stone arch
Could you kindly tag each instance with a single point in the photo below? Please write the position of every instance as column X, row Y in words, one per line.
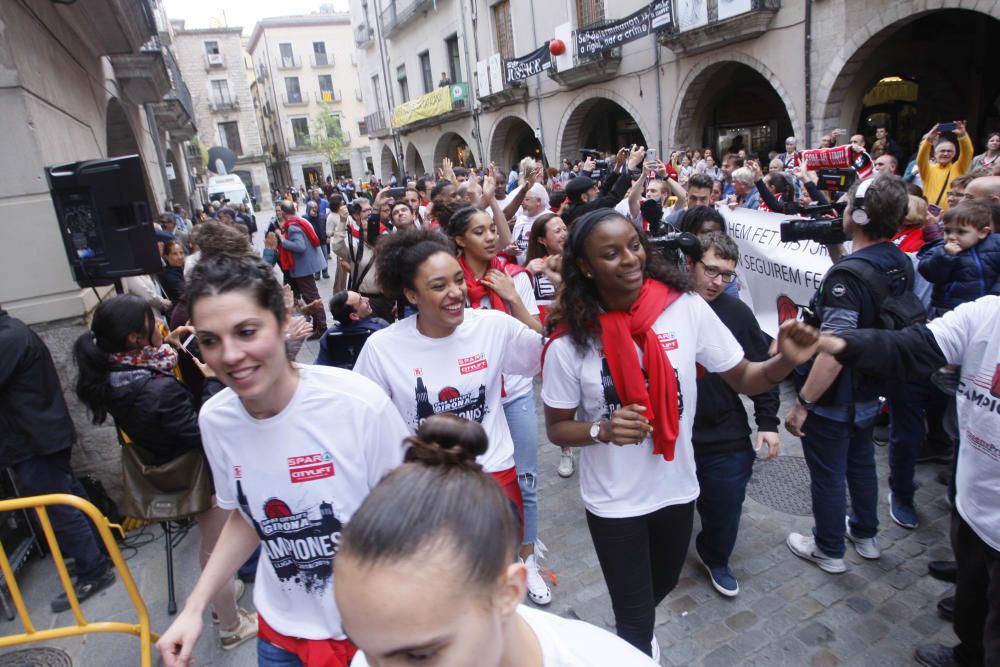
column 842, row 85
column 414, row 163
column 684, row 117
column 511, row 139
column 572, row 123
column 448, row 146
column 388, row 163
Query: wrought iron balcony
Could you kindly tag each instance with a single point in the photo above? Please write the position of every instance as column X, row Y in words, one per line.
column 377, row 124
column 220, row 104
column 114, row 27
column 716, row 33
column 328, row 96
column 589, row 69
column 364, row 35
column 295, row 100
column 289, row 62
column 175, row 112
column 143, row 75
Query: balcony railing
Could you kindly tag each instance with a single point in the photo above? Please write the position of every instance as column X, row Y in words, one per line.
column 322, row 59
column 716, row 32
column 289, row 62
column 364, row 35
column 175, row 112
column 398, row 14
column 328, row 96
column 294, row 100
column 376, row 123
column 589, row 69
column 214, row 61
column 224, row 103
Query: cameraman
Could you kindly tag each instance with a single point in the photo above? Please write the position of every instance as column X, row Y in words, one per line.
column 833, row 415
column 585, row 195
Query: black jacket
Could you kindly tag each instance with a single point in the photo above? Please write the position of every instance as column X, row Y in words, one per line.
column 720, row 421
column 172, row 280
column 612, row 192
column 34, row 420
column 156, row 411
column 790, row 207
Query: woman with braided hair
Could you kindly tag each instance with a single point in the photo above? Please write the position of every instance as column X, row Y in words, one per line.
column 620, row 382
column 439, row 538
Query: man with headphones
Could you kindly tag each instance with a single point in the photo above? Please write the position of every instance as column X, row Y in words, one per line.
column 834, row 415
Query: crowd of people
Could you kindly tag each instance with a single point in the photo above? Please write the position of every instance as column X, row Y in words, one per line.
column 402, row 464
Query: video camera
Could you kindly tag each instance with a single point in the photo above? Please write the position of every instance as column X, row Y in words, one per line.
column 826, row 231
column 836, row 180
column 669, row 244
column 601, row 166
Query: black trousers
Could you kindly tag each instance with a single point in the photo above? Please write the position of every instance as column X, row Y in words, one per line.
column 641, row 558
column 310, row 292
column 977, row 597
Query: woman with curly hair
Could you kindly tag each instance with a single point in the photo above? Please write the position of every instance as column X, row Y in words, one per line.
column 620, row 382
column 447, row 358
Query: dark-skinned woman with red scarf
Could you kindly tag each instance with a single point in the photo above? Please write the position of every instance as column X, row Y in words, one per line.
column 494, row 283
column 620, row 381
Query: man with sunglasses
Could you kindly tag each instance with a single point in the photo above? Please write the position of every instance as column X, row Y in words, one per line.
column 723, row 453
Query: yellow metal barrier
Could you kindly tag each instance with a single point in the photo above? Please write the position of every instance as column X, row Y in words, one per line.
column 82, row 627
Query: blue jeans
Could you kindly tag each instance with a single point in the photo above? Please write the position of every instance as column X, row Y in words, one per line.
column 77, row 536
column 269, row 655
column 907, row 429
column 723, row 480
column 522, row 419
column 838, row 452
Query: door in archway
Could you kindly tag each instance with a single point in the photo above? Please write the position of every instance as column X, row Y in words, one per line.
column 312, row 175
column 607, row 127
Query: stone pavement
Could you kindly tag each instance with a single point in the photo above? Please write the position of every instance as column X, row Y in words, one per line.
column 788, row 611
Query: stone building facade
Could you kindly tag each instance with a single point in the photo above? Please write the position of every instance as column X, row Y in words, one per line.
column 728, row 73
column 79, row 82
column 215, row 67
column 306, row 74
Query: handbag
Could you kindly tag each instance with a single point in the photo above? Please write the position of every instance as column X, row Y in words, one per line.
column 176, row 489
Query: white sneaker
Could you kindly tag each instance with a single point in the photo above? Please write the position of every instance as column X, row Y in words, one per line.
column 656, row 650
column 867, row 547
column 538, row 590
column 565, row 468
column 804, row 546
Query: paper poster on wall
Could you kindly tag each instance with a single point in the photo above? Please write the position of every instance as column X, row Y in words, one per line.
column 482, row 78
column 731, row 8
column 496, row 73
column 691, row 14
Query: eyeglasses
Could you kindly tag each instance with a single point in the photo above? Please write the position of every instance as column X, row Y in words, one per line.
column 713, row 273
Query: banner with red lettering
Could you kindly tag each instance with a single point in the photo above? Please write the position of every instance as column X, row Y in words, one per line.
column 847, row 156
column 776, row 279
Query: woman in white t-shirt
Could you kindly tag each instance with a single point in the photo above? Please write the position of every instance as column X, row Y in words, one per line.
column 494, row 283
column 438, row 538
column 447, row 358
column 295, row 449
column 620, row 381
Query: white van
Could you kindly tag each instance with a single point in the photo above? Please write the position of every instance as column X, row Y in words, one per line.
column 228, row 186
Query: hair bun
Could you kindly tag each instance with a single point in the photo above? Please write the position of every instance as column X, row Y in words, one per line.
column 447, row 440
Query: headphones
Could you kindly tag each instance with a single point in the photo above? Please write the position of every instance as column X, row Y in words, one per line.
column 858, row 213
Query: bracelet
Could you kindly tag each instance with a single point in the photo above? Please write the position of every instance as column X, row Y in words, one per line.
column 768, row 377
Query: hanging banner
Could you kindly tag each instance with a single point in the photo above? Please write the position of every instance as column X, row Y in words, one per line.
column 536, row 62
column 776, row 279
column 661, row 15
column 426, row 106
column 590, row 42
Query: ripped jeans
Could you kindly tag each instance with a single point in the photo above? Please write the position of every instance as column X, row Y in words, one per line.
column 522, row 419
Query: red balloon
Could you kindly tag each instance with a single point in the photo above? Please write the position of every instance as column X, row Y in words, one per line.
column 557, row 47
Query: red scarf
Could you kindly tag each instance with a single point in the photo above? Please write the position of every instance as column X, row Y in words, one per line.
column 660, row 399
column 478, row 289
column 285, row 256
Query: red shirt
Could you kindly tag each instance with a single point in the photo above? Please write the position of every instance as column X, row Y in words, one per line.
column 909, row 239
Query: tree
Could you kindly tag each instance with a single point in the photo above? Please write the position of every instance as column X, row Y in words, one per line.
column 327, row 136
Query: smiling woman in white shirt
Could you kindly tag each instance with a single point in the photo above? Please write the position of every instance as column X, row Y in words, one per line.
column 439, row 539
column 294, row 469
column 620, row 382
column 447, row 358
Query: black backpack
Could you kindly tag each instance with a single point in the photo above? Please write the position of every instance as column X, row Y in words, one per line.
column 893, row 311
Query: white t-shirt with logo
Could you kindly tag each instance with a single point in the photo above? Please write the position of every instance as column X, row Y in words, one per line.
column 516, row 386
column 970, row 336
column 569, row 643
column 297, row 478
column 459, row 374
column 521, row 233
column 629, row 480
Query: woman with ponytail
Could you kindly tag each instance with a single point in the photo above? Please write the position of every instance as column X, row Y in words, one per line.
column 448, row 358
column 620, row 382
column 439, row 538
column 127, row 370
column 294, row 449
column 493, row 283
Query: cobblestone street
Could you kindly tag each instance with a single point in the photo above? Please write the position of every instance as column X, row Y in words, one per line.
column 788, row 612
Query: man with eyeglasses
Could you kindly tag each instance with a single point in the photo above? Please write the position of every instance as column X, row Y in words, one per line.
column 723, row 453
column 949, row 162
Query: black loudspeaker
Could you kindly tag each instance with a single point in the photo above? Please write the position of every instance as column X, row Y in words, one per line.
column 104, row 219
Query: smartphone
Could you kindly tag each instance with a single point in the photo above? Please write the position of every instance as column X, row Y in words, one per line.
column 651, row 155
column 374, row 221
column 187, row 341
column 946, row 127
column 396, row 193
column 934, row 210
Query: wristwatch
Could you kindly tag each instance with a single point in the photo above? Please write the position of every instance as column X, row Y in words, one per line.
column 595, row 432
column 808, row 405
